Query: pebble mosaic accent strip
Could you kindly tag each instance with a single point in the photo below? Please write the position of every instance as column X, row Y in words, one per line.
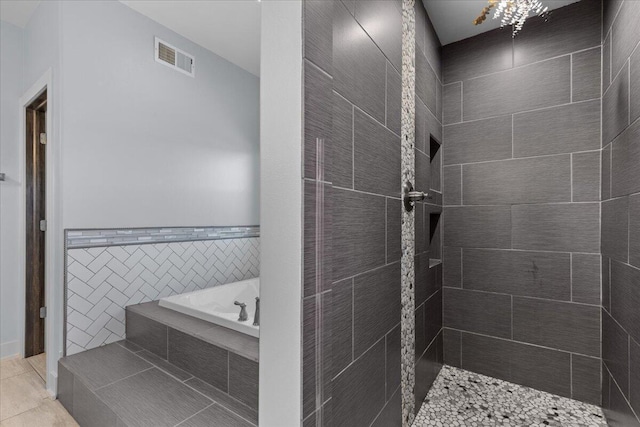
column 463, row 398
column 137, row 236
column 407, row 321
column 102, row 281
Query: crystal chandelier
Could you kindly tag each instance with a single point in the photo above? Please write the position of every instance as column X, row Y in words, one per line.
column 513, row 12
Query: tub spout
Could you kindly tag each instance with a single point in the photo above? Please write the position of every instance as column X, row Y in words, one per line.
column 256, row 317
column 243, row 311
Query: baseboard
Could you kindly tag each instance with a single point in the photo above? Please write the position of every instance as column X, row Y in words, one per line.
column 9, row 349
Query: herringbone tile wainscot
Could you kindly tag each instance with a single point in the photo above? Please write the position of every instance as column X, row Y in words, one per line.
column 102, row 281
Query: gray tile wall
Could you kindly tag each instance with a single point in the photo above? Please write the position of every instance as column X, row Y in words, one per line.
column 621, row 212
column 522, row 203
column 352, row 213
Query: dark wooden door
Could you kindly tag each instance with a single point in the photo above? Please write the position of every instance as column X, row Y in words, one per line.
column 35, row 235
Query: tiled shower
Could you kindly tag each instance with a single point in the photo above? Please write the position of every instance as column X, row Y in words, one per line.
column 532, row 145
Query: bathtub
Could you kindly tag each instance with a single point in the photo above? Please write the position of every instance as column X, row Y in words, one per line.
column 215, row 305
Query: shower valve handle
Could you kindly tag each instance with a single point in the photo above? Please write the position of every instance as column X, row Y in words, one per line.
column 410, row 196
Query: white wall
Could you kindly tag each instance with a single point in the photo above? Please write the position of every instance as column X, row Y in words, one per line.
column 281, row 207
column 11, row 60
column 135, row 143
column 145, row 145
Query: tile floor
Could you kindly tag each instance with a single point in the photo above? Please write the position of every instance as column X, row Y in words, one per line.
column 24, row 400
column 463, row 398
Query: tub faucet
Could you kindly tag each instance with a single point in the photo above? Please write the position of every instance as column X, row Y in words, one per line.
column 243, row 311
column 256, row 317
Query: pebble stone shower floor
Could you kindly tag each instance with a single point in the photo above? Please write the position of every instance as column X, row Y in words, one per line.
column 466, row 399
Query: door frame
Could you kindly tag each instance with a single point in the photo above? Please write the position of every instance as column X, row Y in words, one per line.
column 54, row 242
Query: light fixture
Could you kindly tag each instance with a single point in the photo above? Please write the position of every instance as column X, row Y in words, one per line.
column 513, row 12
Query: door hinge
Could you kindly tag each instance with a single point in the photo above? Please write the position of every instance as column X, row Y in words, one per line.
column 43, row 312
column 43, row 225
column 43, row 138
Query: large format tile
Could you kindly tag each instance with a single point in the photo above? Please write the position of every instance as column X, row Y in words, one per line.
column 625, row 158
column 625, row 297
column 585, row 278
column 359, row 391
column 358, row 233
column 152, row 398
column 342, row 327
column 541, row 368
column 634, row 230
column 205, row 361
column 14, row 366
column 478, row 141
column 615, row 107
column 422, row 171
column 318, row 33
column 146, row 333
column 65, row 387
column 625, row 35
column 539, row 85
column 426, row 82
column 609, row 13
column 382, row 20
column 635, row 86
column 586, row 176
column 104, row 365
column 426, row 371
column 532, row 180
column 487, row 53
column 568, row 29
column 317, row 208
column 452, row 103
column 557, row 227
column 359, row 67
column 619, row 412
column 452, row 346
column 342, row 137
column 585, row 379
column 318, row 120
column 164, row 366
column 452, row 194
column 535, row 274
column 606, row 63
column 561, row 325
column 477, row 226
column 394, row 99
column 376, row 157
column 605, row 184
column 606, row 283
column 480, row 312
column 564, row 129
column 615, row 226
column 243, row 380
column 585, row 78
column 89, row 410
column 224, row 399
column 49, row 413
column 393, row 361
column 389, row 416
column 615, row 350
column 532, row 366
column 376, row 306
column 21, row 393
column 452, row 264
column 215, row 415
column 634, row 375
column 394, row 229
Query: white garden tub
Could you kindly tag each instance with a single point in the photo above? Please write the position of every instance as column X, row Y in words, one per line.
column 215, row 305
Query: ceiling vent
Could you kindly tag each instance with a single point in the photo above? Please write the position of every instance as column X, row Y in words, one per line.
column 175, row 58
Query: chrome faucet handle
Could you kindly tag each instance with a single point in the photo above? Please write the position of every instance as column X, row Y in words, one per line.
column 243, row 311
column 410, row 196
column 256, row 316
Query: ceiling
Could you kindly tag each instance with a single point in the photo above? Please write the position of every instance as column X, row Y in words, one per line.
column 453, row 19
column 17, row 12
column 229, row 28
